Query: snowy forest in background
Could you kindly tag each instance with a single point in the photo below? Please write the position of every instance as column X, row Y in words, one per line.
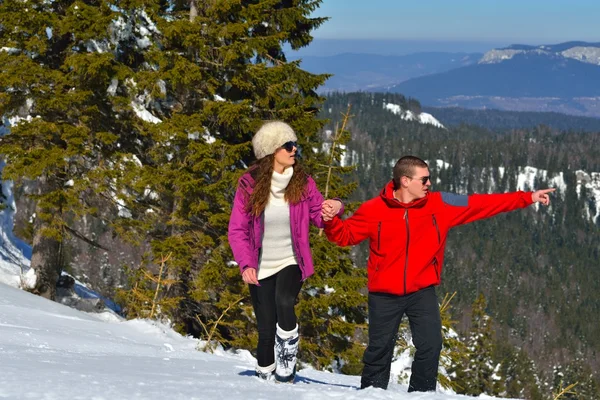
column 126, row 125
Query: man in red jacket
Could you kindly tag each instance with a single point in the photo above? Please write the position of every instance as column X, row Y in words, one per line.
column 407, row 226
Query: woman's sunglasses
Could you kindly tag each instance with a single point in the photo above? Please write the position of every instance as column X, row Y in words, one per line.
column 289, row 146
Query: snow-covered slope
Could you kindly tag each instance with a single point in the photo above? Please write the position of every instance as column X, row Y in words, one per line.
column 14, row 253
column 408, row 115
column 585, row 52
column 50, row 351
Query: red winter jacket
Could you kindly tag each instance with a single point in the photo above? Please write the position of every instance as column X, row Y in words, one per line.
column 407, row 241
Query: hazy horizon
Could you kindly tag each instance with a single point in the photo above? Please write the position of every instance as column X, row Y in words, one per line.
column 397, row 47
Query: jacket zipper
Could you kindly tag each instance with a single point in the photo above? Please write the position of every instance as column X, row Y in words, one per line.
column 378, row 241
column 435, row 261
column 436, row 228
column 407, row 242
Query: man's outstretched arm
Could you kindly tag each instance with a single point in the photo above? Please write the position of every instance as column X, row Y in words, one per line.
column 466, row 209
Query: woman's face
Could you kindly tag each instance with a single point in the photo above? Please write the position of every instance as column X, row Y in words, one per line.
column 285, row 156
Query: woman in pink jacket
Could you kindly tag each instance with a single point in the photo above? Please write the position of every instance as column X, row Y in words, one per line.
column 268, row 232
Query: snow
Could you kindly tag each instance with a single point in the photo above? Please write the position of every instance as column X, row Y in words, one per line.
column 591, row 181
column 143, row 113
column 14, row 253
column 10, row 50
column 50, row 351
column 501, row 171
column 112, row 88
column 408, row 115
column 527, row 175
column 208, row 138
column 93, row 46
column 441, row 164
column 426, row 118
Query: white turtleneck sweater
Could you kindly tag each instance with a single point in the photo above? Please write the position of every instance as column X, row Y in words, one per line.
column 277, row 249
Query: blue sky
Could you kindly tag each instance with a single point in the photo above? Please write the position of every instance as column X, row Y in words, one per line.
column 510, row 21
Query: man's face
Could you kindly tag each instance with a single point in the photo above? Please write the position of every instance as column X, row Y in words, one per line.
column 419, row 183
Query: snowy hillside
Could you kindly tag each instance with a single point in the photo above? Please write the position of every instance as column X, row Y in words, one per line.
column 14, row 253
column 408, row 115
column 50, row 351
column 585, row 52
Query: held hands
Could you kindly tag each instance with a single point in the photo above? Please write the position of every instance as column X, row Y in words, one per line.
column 249, row 276
column 330, row 208
column 542, row 196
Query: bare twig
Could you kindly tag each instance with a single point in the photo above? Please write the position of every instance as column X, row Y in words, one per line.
column 274, row 60
column 337, row 136
column 446, row 302
column 215, row 324
column 566, row 390
column 163, row 262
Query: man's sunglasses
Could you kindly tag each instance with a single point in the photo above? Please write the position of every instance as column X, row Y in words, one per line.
column 289, row 146
column 423, row 179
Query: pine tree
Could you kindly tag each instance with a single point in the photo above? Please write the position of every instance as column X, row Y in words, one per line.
column 477, row 375
column 518, row 372
column 53, row 94
column 454, row 351
column 576, row 380
column 213, row 73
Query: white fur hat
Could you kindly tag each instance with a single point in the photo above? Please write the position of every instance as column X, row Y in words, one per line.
column 270, row 137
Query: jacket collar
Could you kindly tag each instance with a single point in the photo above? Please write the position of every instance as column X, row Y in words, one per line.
column 387, row 195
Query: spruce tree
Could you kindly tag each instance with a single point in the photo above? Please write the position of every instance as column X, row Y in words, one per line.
column 477, row 375
column 53, row 96
column 208, row 80
column 454, row 351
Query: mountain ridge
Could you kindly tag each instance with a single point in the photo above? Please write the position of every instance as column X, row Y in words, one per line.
column 563, row 78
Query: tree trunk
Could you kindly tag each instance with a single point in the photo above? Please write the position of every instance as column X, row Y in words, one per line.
column 193, row 10
column 46, row 254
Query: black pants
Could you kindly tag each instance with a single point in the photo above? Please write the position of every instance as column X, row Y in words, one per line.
column 273, row 303
column 385, row 314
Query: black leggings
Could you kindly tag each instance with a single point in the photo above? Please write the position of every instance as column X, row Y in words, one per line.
column 273, row 303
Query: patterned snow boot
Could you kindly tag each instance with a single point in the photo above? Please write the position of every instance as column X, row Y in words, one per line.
column 286, row 351
column 265, row 373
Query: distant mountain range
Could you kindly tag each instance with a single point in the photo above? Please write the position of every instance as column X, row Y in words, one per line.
column 361, row 72
column 562, row 78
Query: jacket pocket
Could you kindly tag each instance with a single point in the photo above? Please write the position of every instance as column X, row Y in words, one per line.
column 437, row 228
column 436, row 268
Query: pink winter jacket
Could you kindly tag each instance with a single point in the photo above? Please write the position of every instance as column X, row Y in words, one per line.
column 246, row 231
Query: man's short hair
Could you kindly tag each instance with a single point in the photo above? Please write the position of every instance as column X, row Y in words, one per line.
column 406, row 167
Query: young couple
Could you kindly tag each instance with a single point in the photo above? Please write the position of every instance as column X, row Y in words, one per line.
column 406, row 225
